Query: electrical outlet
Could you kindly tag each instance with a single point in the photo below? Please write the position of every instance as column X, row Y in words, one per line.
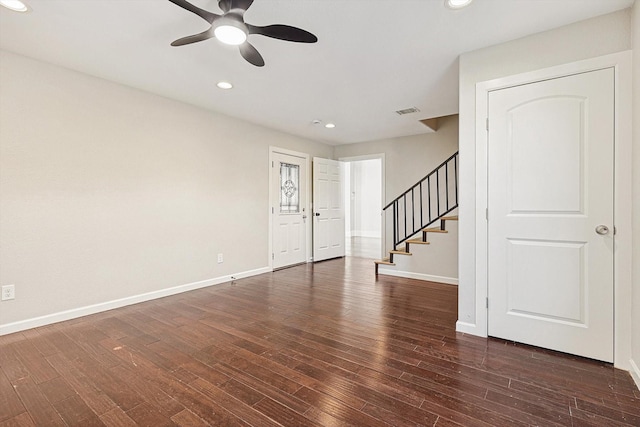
column 220, row 259
column 8, row 292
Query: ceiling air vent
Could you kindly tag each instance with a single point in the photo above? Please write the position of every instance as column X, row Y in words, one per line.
column 407, row 111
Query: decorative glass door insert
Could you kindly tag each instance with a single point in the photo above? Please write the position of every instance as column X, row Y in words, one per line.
column 289, row 188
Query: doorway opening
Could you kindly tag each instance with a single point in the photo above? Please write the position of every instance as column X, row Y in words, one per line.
column 363, row 200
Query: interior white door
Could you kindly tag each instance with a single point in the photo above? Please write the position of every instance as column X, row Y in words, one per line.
column 550, row 215
column 328, row 210
column 288, row 208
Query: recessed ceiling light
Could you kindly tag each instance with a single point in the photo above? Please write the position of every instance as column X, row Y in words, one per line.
column 329, row 125
column 457, row 4
column 224, row 85
column 15, row 5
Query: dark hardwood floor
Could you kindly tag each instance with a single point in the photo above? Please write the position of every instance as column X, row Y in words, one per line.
column 313, row 345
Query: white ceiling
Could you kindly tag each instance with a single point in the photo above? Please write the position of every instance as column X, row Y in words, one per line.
column 373, row 56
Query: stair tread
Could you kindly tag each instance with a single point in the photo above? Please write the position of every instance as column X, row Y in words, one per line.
column 418, row 241
column 384, row 262
column 434, row 230
column 400, row 252
column 450, row 218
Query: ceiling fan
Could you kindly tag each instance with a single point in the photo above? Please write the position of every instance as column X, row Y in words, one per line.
column 230, row 28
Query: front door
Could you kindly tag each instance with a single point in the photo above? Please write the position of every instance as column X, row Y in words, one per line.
column 550, row 216
column 328, row 210
column 288, row 208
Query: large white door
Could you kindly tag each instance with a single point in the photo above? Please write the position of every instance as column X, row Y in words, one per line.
column 328, row 210
column 288, row 208
column 550, row 216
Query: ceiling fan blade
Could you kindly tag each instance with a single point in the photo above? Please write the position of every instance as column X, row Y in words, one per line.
column 204, row 14
column 284, row 32
column 194, row 38
column 251, row 54
column 225, row 5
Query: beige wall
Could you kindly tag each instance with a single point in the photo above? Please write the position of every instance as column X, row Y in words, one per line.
column 636, row 190
column 107, row 192
column 408, row 159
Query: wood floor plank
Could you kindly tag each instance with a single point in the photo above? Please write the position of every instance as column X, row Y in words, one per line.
column 10, row 404
column 56, row 390
column 283, row 414
column 14, row 369
column 241, row 392
column 150, row 393
column 338, row 409
column 88, row 338
column 116, row 417
column 121, row 393
column 326, row 344
column 95, row 398
column 147, row 415
column 186, row 418
column 268, row 390
column 36, row 404
column 38, row 367
column 41, row 340
column 75, row 412
column 22, row 420
column 239, row 408
column 394, row 418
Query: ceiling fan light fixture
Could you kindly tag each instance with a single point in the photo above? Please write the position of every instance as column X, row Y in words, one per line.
column 15, row 5
column 230, row 32
column 457, row 4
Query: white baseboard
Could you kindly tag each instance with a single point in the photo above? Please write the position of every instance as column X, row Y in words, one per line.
column 10, row 328
column 419, row 276
column 468, row 328
column 365, row 233
column 635, row 373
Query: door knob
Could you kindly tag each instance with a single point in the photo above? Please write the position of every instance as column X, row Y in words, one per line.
column 317, row 213
column 602, row 230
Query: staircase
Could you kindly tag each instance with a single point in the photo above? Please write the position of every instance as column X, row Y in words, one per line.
column 415, row 211
column 423, row 240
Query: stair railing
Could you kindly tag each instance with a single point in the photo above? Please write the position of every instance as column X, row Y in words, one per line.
column 431, row 198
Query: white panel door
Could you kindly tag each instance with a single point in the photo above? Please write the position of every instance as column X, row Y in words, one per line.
column 550, row 217
column 328, row 210
column 288, row 210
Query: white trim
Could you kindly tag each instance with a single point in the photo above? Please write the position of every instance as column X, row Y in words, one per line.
column 635, row 372
column 10, row 328
column 621, row 62
column 375, row 156
column 419, row 276
column 466, row 328
column 360, row 158
column 309, row 250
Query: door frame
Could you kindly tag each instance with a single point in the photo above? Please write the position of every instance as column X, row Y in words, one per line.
column 273, row 150
column 375, row 156
column 621, row 63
